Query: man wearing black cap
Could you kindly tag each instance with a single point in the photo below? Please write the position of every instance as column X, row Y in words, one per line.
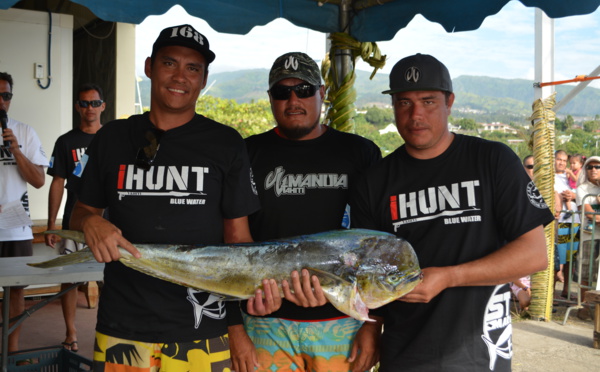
column 169, row 176
column 303, row 172
column 474, row 218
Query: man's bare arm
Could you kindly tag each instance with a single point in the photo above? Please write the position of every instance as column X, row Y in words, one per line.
column 103, row 238
column 55, row 196
column 518, row 258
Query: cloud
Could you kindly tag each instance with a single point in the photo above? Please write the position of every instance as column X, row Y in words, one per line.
column 503, row 46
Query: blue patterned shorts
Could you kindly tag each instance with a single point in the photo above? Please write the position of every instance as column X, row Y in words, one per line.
column 286, row 345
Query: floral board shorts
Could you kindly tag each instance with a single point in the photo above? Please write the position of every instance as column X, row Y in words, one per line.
column 287, row 345
column 112, row 354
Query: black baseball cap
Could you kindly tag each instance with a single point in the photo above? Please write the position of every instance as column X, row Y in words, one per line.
column 295, row 65
column 419, row 72
column 186, row 36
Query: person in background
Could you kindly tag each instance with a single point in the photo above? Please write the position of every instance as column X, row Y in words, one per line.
column 22, row 162
column 328, row 162
column 528, row 165
column 568, row 220
column 521, row 288
column 576, row 162
column 522, row 291
column 169, row 176
column 474, row 219
column 66, row 157
column 588, row 201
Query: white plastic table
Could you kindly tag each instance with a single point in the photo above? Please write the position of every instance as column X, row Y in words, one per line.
column 14, row 271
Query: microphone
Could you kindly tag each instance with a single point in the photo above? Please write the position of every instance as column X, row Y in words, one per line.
column 4, row 121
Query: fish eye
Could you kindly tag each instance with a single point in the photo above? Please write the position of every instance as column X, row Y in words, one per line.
column 394, row 278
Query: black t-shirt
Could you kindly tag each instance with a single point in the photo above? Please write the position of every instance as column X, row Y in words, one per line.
column 66, row 156
column 303, row 188
column 200, row 175
column 455, row 208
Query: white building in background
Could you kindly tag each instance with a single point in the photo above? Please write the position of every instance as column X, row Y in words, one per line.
column 499, row 127
column 562, row 139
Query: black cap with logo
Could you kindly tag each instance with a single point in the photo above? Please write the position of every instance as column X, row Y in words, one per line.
column 186, row 36
column 419, row 72
column 295, row 65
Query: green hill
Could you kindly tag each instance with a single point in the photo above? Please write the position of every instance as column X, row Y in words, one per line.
column 482, row 95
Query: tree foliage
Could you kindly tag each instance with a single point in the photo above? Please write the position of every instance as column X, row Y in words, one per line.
column 378, row 117
column 465, row 123
column 255, row 117
column 387, row 142
column 247, row 118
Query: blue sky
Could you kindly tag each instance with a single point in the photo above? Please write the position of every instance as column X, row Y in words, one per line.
column 502, row 47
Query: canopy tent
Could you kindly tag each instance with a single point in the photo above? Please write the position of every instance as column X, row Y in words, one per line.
column 369, row 20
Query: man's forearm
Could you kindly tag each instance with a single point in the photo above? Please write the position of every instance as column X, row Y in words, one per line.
column 54, row 199
column 80, row 214
column 518, row 258
column 32, row 174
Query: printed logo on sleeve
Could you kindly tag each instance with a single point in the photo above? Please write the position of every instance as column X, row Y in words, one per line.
column 535, row 198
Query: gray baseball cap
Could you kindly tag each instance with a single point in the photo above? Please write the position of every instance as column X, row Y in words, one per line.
column 295, row 65
column 419, row 72
column 186, row 36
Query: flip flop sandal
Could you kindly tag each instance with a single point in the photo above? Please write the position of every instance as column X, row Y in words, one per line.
column 69, row 346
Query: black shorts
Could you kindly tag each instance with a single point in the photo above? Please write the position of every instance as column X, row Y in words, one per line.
column 17, row 248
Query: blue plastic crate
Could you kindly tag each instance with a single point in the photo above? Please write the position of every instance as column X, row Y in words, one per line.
column 50, row 359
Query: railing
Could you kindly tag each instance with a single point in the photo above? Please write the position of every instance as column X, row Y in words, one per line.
column 593, row 266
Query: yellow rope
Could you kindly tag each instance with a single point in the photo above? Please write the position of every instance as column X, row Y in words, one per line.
column 542, row 283
column 341, row 97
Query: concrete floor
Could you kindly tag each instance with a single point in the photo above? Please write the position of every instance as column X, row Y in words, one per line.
column 46, row 327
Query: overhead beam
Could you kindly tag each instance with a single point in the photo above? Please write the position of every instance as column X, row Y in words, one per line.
column 573, row 92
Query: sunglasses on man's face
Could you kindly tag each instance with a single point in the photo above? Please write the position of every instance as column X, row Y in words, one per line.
column 94, row 103
column 283, row 92
column 7, row 96
column 590, row 167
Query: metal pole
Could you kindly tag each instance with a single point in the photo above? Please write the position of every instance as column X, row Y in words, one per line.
column 544, row 53
column 578, row 88
column 343, row 58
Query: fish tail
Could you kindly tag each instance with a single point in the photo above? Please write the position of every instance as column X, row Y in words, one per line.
column 83, row 255
column 74, row 235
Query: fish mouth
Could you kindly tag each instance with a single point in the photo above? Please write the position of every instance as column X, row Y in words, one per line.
column 416, row 276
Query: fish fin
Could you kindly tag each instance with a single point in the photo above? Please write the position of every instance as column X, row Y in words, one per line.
column 83, row 255
column 342, row 294
column 326, row 278
column 74, row 235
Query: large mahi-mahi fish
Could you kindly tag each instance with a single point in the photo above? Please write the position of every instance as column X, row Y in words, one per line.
column 358, row 269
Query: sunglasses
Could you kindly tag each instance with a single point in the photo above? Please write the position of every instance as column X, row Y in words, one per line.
column 283, row 92
column 146, row 155
column 7, row 96
column 529, row 166
column 94, row 103
column 590, row 167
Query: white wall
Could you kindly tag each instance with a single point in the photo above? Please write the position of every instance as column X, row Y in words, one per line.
column 126, row 78
column 49, row 112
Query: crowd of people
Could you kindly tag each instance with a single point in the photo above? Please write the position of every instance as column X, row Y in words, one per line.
column 577, row 190
column 476, row 226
